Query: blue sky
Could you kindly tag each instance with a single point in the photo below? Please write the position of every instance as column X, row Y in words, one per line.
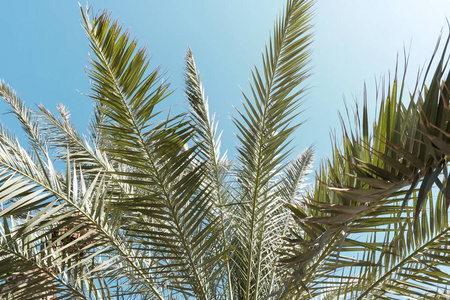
column 44, row 51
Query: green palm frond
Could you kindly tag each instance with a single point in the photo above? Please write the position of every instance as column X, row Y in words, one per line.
column 26, row 116
column 415, row 261
column 30, row 188
column 206, row 137
column 34, row 242
column 382, row 257
column 208, row 141
column 264, row 127
column 294, row 175
column 366, row 190
column 168, row 216
column 19, row 267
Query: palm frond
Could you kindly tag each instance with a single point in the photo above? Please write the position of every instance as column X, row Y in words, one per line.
column 26, row 116
column 294, row 175
column 48, row 197
column 168, row 216
column 208, row 142
column 264, row 127
column 19, row 268
column 359, row 190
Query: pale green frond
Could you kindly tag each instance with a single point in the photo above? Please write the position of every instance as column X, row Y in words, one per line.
column 208, row 142
column 36, row 185
column 46, row 132
column 207, row 138
column 17, row 270
column 265, row 125
column 26, row 116
column 168, row 216
column 294, row 174
column 63, row 136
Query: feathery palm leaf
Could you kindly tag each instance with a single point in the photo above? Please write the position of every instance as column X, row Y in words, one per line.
column 147, row 207
column 208, row 142
column 365, row 191
column 168, row 217
column 264, row 131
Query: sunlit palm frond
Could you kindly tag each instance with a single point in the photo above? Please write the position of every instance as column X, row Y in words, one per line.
column 264, row 128
column 168, row 216
column 208, row 141
column 34, row 189
column 20, row 268
column 27, row 118
column 294, row 175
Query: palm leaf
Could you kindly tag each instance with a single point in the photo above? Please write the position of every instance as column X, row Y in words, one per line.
column 167, row 217
column 40, row 188
column 366, row 188
column 264, row 127
column 208, row 142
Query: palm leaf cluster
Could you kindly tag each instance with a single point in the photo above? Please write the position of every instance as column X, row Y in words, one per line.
column 146, row 206
column 376, row 224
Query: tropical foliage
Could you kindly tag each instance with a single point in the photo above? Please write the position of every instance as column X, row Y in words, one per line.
column 376, row 224
column 147, row 207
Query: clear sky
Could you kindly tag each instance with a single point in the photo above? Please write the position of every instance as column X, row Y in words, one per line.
column 44, row 52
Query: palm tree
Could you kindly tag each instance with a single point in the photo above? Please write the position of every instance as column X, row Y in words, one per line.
column 146, row 206
column 376, row 224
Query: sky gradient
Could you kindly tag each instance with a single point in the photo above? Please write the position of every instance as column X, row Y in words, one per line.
column 44, row 52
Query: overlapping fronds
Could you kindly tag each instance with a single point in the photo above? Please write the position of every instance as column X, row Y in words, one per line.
column 20, row 269
column 61, row 137
column 168, row 217
column 57, row 225
column 371, row 229
column 147, row 207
